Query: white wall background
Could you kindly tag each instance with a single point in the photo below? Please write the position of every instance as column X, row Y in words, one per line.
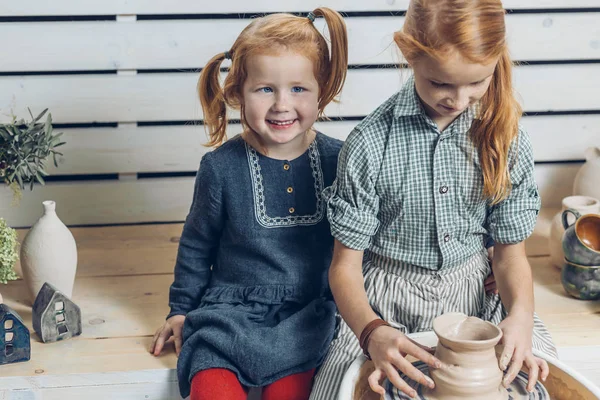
column 119, row 78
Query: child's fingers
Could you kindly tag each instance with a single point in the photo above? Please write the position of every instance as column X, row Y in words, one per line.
column 430, row 350
column 544, row 369
column 413, row 373
column 375, row 381
column 398, row 382
column 421, row 354
column 153, row 345
column 533, row 370
column 163, row 336
column 515, row 367
column 178, row 343
column 507, row 354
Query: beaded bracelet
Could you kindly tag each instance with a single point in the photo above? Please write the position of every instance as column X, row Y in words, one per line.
column 366, row 334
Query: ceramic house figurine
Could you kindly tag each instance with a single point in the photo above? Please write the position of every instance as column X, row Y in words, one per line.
column 55, row 317
column 14, row 337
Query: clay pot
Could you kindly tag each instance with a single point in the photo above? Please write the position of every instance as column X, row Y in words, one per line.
column 581, row 241
column 49, row 254
column 467, row 347
column 583, row 205
column 582, row 282
column 587, row 180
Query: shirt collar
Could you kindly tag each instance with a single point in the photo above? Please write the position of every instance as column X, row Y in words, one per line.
column 408, row 102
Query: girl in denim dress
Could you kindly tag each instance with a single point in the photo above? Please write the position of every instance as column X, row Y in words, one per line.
column 421, row 183
column 250, row 303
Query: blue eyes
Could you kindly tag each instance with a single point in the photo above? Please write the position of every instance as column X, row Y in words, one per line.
column 295, row 89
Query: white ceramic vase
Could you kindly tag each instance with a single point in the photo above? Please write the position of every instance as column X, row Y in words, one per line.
column 587, row 180
column 583, row 205
column 49, row 254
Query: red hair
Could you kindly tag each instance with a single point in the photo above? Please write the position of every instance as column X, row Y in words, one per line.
column 475, row 29
column 268, row 35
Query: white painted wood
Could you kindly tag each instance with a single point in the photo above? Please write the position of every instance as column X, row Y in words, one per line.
column 562, row 137
column 168, row 199
column 172, row 96
column 132, row 149
column 103, row 202
column 102, row 45
column 108, row 7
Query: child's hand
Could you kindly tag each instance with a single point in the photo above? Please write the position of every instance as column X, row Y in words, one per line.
column 388, row 347
column 517, row 331
column 172, row 327
column 490, row 284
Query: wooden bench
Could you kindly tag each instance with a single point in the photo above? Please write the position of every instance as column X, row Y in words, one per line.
column 122, row 288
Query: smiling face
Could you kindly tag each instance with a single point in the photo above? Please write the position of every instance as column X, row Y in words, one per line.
column 447, row 88
column 280, row 98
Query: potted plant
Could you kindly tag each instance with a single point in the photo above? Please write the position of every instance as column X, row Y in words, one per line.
column 24, row 147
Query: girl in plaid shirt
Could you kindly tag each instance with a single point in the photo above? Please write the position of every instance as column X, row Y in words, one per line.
column 421, row 183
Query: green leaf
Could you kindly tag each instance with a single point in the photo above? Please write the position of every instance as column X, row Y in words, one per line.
column 40, row 179
column 40, row 116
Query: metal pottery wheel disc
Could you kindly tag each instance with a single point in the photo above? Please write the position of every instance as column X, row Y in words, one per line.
column 516, row 391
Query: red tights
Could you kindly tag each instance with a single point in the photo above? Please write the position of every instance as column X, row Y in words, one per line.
column 222, row 384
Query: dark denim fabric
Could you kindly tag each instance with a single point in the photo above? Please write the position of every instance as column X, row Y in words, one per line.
column 251, row 271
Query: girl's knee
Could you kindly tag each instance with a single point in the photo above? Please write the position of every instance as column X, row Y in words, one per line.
column 217, row 384
column 292, row 387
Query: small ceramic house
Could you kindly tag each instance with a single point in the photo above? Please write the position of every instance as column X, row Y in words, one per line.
column 55, row 316
column 14, row 340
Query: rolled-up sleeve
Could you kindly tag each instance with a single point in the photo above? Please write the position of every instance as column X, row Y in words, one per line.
column 352, row 202
column 513, row 219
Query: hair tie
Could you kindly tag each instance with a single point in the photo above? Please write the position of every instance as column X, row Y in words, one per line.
column 311, row 16
column 227, row 55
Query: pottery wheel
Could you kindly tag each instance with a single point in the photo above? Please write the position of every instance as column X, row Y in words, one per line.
column 516, row 391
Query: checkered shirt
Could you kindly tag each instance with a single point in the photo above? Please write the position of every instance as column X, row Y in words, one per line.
column 407, row 191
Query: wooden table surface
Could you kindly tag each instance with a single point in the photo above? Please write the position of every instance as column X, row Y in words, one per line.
column 122, row 285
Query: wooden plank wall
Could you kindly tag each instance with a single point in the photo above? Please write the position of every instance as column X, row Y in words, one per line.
column 119, row 78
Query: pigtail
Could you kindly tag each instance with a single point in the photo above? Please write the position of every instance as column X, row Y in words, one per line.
column 338, row 65
column 495, row 129
column 213, row 102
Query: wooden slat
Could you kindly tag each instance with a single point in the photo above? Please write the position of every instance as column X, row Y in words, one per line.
column 168, row 199
column 548, row 134
column 161, row 384
column 132, row 149
column 106, row 45
column 81, row 356
column 103, row 202
column 74, row 7
column 171, row 96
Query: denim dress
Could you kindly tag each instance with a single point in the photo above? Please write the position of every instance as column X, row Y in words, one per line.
column 251, row 270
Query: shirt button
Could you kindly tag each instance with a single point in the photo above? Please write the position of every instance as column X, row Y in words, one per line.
column 291, row 210
column 290, row 189
column 437, row 277
column 286, row 166
column 444, row 189
column 446, row 237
